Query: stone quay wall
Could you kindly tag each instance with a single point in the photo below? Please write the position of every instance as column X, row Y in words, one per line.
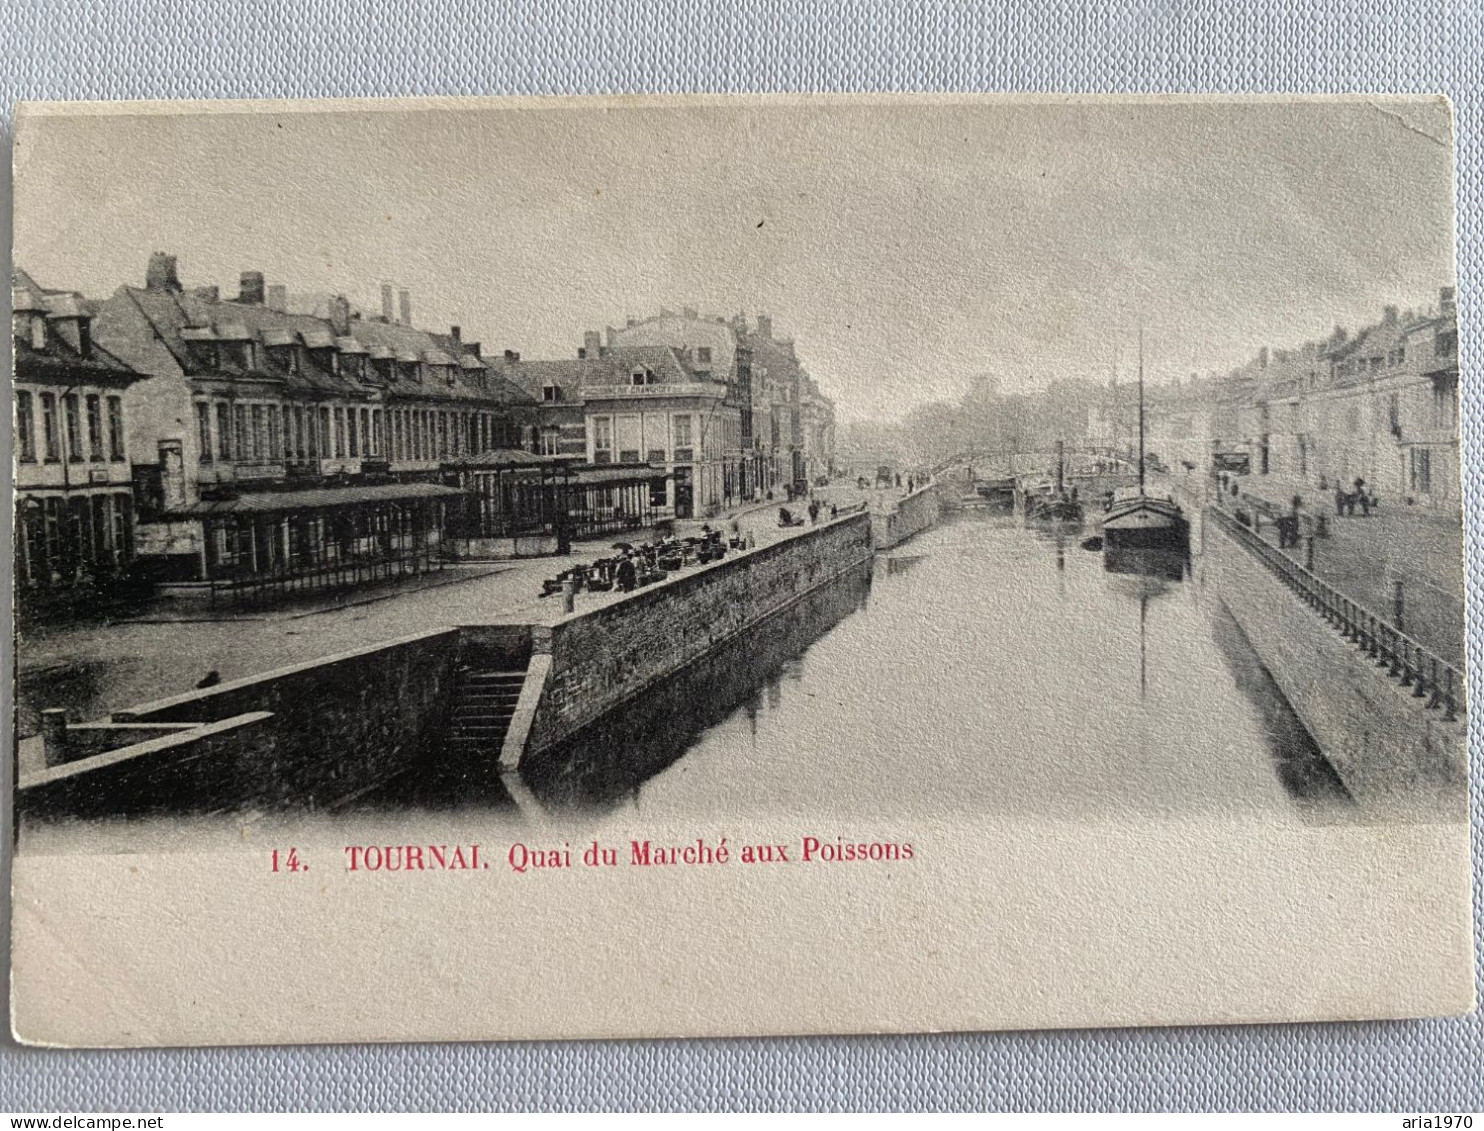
column 603, row 658
column 322, row 732
column 910, row 515
column 1390, row 750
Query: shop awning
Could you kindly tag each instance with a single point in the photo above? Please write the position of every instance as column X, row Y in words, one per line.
column 506, row 458
column 317, row 498
column 607, row 476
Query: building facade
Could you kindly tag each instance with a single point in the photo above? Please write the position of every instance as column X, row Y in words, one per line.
column 75, row 522
column 291, row 450
column 1380, row 404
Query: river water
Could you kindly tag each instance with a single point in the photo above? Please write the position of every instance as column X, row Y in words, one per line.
column 982, row 668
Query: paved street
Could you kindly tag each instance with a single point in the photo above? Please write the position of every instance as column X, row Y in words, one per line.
column 99, row 668
column 1365, row 556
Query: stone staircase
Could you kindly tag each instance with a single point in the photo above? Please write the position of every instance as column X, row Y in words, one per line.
column 484, row 701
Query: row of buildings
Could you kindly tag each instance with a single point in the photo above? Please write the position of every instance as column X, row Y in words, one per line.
column 1380, row 404
column 168, row 435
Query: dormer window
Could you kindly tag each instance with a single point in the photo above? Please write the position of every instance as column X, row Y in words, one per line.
column 38, row 332
column 637, row 377
column 703, row 355
column 551, row 393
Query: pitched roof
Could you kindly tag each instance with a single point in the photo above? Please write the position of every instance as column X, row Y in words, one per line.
column 613, row 366
column 59, row 359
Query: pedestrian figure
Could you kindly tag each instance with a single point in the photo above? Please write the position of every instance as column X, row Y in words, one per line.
column 899, row 479
column 834, row 511
column 626, row 574
column 1339, row 502
column 910, row 486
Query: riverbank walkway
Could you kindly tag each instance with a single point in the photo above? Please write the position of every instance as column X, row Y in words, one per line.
column 96, row 668
column 1365, row 557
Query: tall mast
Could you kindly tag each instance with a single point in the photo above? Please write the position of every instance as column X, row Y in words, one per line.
column 1141, row 410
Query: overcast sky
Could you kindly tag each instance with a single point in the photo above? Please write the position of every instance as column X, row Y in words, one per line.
column 907, row 247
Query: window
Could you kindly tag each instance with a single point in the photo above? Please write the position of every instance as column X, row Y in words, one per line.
column 1444, row 403
column 223, row 431
column 551, row 441
column 25, row 432
column 116, row 429
column 683, row 439
column 298, row 440
column 74, row 427
column 339, row 433
column 376, row 432
column 1446, row 343
column 1421, row 477
column 240, row 446
column 324, row 433
column 203, row 431
column 95, row 428
column 602, row 439
column 397, row 449
column 259, row 435
column 442, row 435
column 352, row 432
column 275, row 434
column 551, row 393
column 657, row 492
column 703, row 355
column 1394, row 414
column 637, row 377
column 49, row 426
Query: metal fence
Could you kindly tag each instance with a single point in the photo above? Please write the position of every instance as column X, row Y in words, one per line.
column 1401, row 657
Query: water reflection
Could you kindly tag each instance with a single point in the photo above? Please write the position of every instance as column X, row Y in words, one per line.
column 1003, row 671
column 611, row 759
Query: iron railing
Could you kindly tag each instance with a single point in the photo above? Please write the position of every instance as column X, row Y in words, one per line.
column 1393, row 651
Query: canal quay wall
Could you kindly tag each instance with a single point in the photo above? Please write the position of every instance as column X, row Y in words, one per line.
column 322, row 733
column 909, row 515
column 1389, row 748
column 312, row 735
column 590, row 663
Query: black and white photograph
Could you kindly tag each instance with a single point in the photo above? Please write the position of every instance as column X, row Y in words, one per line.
column 724, row 566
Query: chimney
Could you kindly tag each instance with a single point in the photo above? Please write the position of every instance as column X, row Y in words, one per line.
column 456, row 334
column 208, row 294
column 689, row 312
column 340, row 315
column 765, row 326
column 581, row 353
column 404, row 302
column 386, row 303
column 278, row 298
column 592, row 343
column 1262, row 358
column 161, row 275
column 509, row 355
column 630, row 321
column 1447, row 305
column 612, row 336
column 250, row 289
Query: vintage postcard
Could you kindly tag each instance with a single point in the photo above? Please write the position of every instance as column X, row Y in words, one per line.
column 700, row 566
